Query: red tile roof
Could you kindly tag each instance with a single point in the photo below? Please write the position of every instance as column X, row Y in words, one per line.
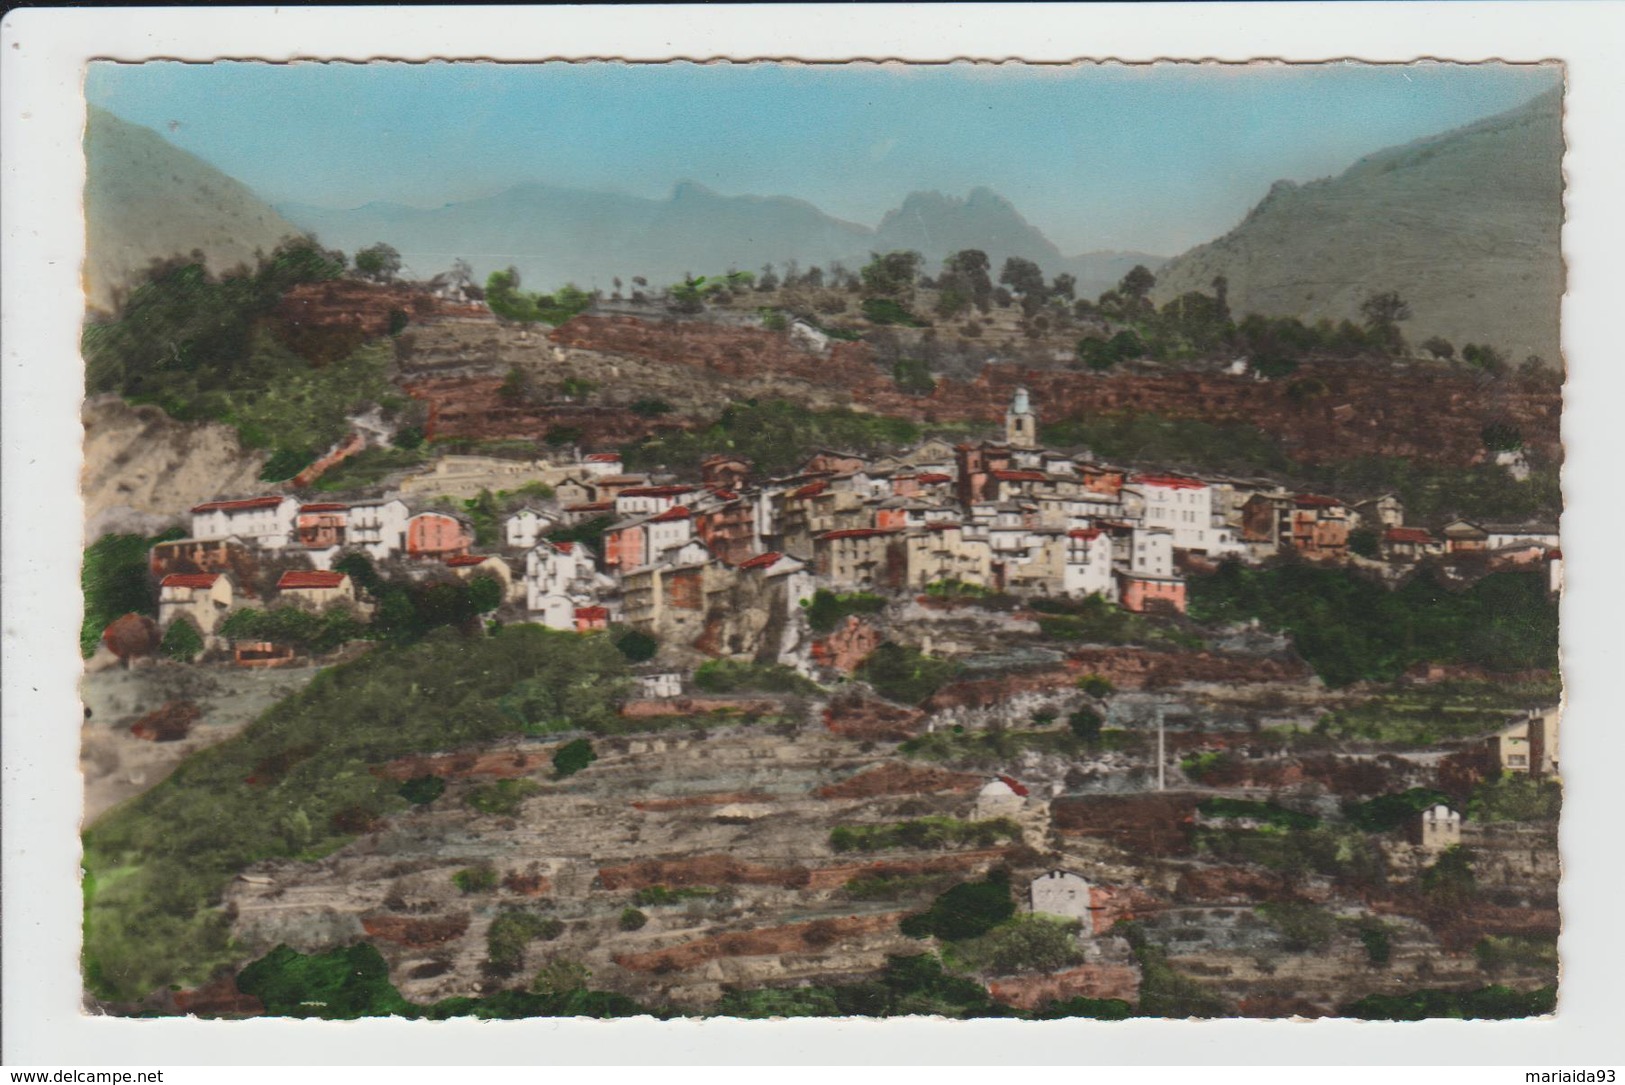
column 1554, row 555
column 592, row 614
column 603, row 457
column 859, row 533
column 1019, row 476
column 293, row 580
column 189, row 580
column 943, row 525
column 245, row 505
column 761, row 561
column 935, row 476
column 590, row 506
column 657, row 491
column 1170, row 482
column 812, row 489
column 1407, row 535
column 564, row 547
column 725, row 495
column 461, row 561
column 1013, row 785
column 676, row 512
column 1085, row 533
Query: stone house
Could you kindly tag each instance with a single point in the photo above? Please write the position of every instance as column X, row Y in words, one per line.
column 1409, row 544
column 861, row 559
column 722, row 471
column 574, row 490
column 1465, row 537
column 1438, row 828
column 228, row 555
column 314, row 589
column 727, row 527
column 1318, row 527
column 205, row 598
column 1000, row 797
column 946, row 551
column 1528, row 746
column 1064, row 894
column 650, row 500
column 322, row 525
column 584, row 511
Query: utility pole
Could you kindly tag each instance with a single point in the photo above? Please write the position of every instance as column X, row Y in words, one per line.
column 1162, row 756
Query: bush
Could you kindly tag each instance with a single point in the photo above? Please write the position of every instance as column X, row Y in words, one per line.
column 1374, row 937
column 632, row 920
column 1267, row 812
column 1028, row 943
column 1489, row 1003
column 920, row 833
column 1516, row 797
column 182, row 642
column 480, row 878
column 285, row 463
column 655, row 895
column 637, row 647
column 826, row 609
column 734, row 676
column 887, row 311
column 511, row 932
column 1095, row 685
column 966, row 911
column 115, row 582
column 339, row 985
column 573, row 756
column 501, row 797
column 1386, row 813
column 422, row 790
column 905, row 675
column 1101, row 1009
column 1304, row 927
column 1085, row 725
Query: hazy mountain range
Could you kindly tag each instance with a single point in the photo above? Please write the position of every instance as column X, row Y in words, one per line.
column 1464, row 225
column 555, row 235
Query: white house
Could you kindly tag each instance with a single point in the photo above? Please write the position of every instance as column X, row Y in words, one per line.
column 649, row 500
column 559, row 577
column 1062, row 893
column 523, row 529
column 601, row 464
column 668, row 531
column 1151, row 552
column 378, row 527
column 660, row 685
column 267, row 522
column 1000, row 797
column 1088, row 569
column 1441, row 828
column 1184, row 506
column 1504, row 535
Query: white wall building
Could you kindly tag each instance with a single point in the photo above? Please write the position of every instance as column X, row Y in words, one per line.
column 522, row 530
column 1088, row 569
column 1185, row 507
column 267, row 522
column 1062, row 893
column 559, row 577
column 1151, row 552
column 379, row 528
column 1441, row 828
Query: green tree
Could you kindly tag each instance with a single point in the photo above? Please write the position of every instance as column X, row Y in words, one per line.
column 632, row 920
column 380, row 262
column 182, row 642
column 967, row 910
column 1383, row 314
column 1137, row 284
column 1026, row 280
column 892, row 276
column 573, row 756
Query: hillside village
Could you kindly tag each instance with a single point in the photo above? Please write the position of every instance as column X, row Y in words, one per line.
column 964, row 630
column 843, row 705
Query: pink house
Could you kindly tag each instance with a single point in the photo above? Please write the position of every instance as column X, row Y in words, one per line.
column 1141, row 592
column 437, row 535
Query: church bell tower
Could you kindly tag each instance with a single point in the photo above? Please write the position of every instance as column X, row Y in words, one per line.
column 1020, row 423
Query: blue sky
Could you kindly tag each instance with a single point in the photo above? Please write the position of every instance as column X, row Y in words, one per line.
column 1155, row 158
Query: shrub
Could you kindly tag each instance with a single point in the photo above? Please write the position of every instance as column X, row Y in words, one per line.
column 1374, row 937
column 632, row 920
column 965, row 911
column 1101, row 1009
column 1085, row 724
column 1028, row 943
column 1095, row 685
column 1304, row 927
column 826, row 609
column 1388, row 812
column 511, row 931
column 1267, row 812
column 920, row 833
column 655, row 895
column 733, row 676
column 637, row 647
column 905, row 675
column 182, row 642
column 560, row 977
column 1516, row 797
column 339, row 985
column 480, row 878
column 1515, row 952
column 1492, row 1003
column 573, row 756
column 422, row 790
column 501, row 797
